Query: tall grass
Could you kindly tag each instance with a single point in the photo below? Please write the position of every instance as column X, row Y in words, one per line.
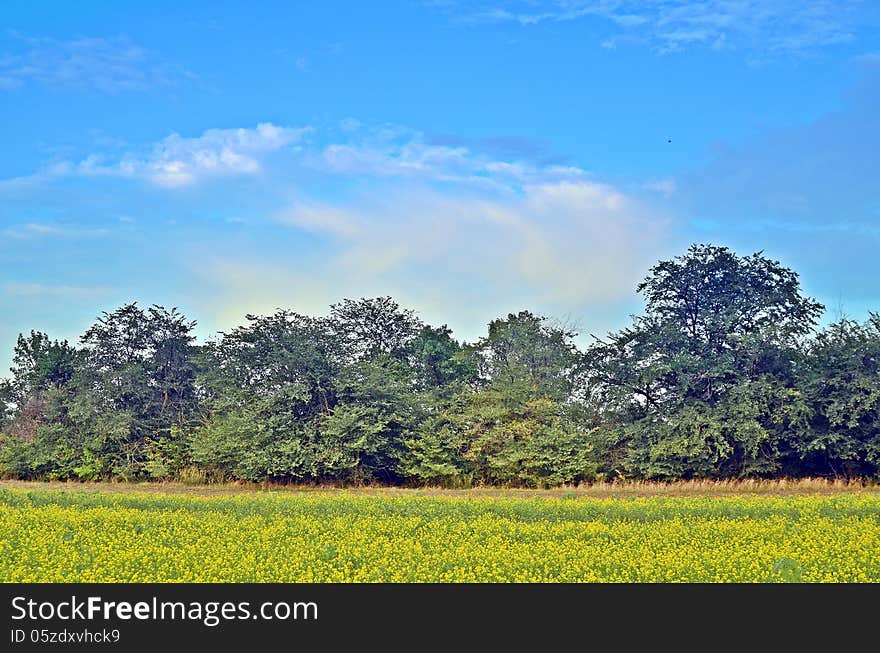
column 197, row 483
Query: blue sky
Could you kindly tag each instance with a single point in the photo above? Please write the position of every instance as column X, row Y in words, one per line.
column 469, row 158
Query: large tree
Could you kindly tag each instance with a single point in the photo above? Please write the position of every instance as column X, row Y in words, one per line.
column 140, row 375
column 265, row 385
column 704, row 383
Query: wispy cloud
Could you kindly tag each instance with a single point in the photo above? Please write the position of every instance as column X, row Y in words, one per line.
column 504, row 146
column 760, row 27
column 43, row 290
column 395, row 151
column 388, row 151
column 868, row 58
column 565, row 247
column 322, row 218
column 792, row 226
column 386, row 209
column 110, row 65
column 176, row 161
column 567, row 241
column 665, row 187
column 51, row 230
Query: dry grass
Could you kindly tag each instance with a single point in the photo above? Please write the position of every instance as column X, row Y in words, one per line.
column 750, row 487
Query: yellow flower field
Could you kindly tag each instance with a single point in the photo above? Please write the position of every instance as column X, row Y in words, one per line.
column 48, row 535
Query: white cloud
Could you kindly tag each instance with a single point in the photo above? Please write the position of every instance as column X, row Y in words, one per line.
column 550, row 230
column 570, row 242
column 389, row 151
column 410, row 158
column 393, row 151
column 558, row 248
column 177, row 161
column 445, row 228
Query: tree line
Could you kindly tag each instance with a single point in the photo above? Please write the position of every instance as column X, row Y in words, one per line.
column 724, row 375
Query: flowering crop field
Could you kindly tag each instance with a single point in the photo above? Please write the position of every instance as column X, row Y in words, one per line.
column 341, row 536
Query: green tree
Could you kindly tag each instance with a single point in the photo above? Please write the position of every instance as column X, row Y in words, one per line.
column 439, row 361
column 39, row 365
column 515, row 426
column 363, row 438
column 842, row 386
column 368, row 327
column 139, row 374
column 525, row 353
column 266, row 385
column 705, row 383
column 446, row 372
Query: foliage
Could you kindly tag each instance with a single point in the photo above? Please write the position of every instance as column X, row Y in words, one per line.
column 707, row 382
column 843, row 390
column 722, row 376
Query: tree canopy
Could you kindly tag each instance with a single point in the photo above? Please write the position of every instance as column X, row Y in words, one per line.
column 723, row 375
